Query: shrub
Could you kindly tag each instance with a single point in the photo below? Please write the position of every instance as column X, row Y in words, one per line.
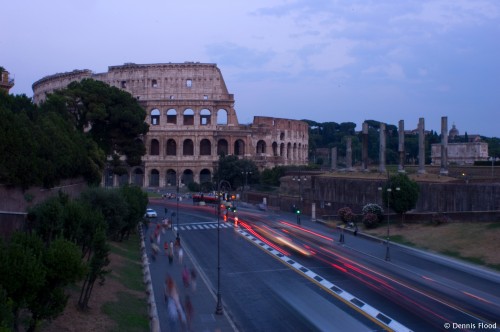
column 370, row 220
column 440, row 219
column 373, row 209
column 346, row 214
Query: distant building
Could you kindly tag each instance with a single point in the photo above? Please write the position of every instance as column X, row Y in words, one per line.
column 6, row 82
column 192, row 121
column 465, row 151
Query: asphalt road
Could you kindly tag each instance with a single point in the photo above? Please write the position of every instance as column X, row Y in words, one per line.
column 422, row 292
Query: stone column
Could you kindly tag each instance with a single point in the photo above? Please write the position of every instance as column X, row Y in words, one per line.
column 364, row 150
column 334, row 159
column 348, row 157
column 444, row 146
column 381, row 151
column 421, row 146
column 401, row 146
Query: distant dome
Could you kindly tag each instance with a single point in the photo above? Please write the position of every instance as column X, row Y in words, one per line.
column 453, row 132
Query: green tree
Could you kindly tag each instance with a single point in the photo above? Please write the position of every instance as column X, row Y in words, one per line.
column 234, row 170
column 23, row 271
column 404, row 199
column 112, row 117
column 97, row 267
column 63, row 265
column 113, row 207
column 137, row 201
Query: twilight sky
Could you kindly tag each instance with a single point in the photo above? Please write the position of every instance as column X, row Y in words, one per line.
column 323, row 60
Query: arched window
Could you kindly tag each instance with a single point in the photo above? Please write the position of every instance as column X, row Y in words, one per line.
column 205, row 177
column 154, row 83
column 172, row 116
column 155, row 148
column 187, row 148
column 188, row 117
column 138, row 177
column 222, row 147
column 222, row 117
column 205, row 147
column 171, row 177
column 154, row 178
column 275, row 149
column 155, row 117
column 282, row 135
column 205, row 117
column 261, row 147
column 187, row 177
column 171, row 147
column 288, row 150
column 294, row 156
column 239, row 147
column 282, row 149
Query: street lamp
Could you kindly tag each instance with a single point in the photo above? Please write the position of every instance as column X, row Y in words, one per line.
column 246, row 181
column 218, row 308
column 389, row 191
column 299, row 179
column 177, row 213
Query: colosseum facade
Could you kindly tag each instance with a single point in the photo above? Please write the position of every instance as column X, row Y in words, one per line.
column 192, row 121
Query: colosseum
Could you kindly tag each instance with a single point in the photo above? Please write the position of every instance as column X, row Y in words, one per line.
column 192, row 121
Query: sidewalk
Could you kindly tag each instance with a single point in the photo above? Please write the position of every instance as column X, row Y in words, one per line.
column 202, row 297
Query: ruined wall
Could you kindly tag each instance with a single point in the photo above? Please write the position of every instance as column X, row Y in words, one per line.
column 192, row 121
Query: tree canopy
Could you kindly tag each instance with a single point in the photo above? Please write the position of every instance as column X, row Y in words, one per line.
column 110, row 116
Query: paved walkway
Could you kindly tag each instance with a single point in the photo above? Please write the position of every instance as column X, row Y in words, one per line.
column 203, row 299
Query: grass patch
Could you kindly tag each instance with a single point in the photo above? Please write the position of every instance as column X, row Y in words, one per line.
column 494, row 225
column 129, row 312
column 401, row 240
column 472, row 242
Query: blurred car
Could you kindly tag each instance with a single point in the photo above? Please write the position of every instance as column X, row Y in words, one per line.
column 150, row 213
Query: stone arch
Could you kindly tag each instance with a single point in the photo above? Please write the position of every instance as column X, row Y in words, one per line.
column 187, row 147
column 171, row 148
column 109, row 179
column 154, row 178
column 123, row 179
column 282, row 149
column 288, row 150
column 172, row 116
column 155, row 117
column 239, row 147
column 222, row 147
column 222, row 117
column 171, row 177
column 261, row 147
column 205, row 176
column 275, row 149
column 294, row 154
column 138, row 177
column 205, row 117
column 187, row 177
column 154, row 149
column 205, row 147
column 188, row 117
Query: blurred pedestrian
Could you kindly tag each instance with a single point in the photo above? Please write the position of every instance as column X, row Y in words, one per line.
column 172, row 313
column 188, row 306
column 193, row 279
column 185, row 276
column 181, row 255
column 165, row 247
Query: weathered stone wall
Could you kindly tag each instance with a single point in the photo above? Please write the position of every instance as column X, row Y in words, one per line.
column 192, row 121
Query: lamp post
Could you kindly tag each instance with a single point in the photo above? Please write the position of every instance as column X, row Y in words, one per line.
column 387, row 252
column 246, row 181
column 218, row 308
column 299, row 179
column 177, row 209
